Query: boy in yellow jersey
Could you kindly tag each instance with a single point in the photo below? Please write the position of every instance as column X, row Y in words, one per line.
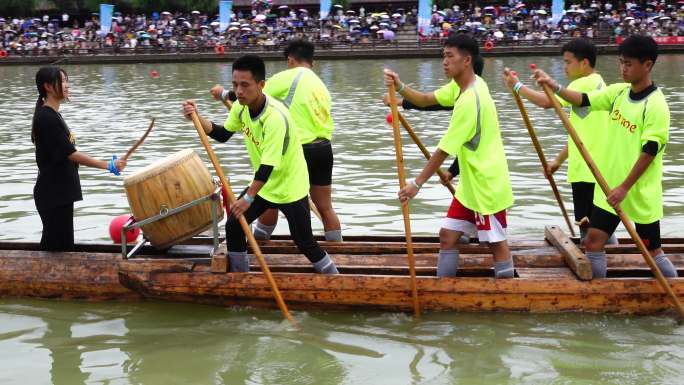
column 579, row 56
column 281, row 180
column 632, row 160
column 309, row 103
column 484, row 190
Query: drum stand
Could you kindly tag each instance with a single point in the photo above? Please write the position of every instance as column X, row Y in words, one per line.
column 214, row 198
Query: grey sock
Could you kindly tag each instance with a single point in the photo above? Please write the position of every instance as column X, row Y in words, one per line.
column 326, row 266
column 239, row 262
column 599, row 265
column 447, row 263
column 263, row 232
column 665, row 265
column 504, row 269
column 612, row 240
column 333, row 235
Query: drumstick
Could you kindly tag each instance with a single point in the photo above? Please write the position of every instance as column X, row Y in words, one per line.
column 139, row 142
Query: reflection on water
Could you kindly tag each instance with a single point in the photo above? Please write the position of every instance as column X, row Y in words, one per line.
column 111, row 106
column 44, row 342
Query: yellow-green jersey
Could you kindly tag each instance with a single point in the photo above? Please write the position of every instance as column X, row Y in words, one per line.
column 474, row 137
column 632, row 123
column 308, row 100
column 271, row 139
column 590, row 126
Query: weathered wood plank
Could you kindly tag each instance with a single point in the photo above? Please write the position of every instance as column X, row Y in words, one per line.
column 574, row 258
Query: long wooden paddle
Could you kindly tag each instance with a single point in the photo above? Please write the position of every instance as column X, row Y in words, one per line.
column 606, row 190
column 242, row 220
column 405, row 205
column 542, row 159
column 313, row 207
column 424, row 150
column 139, row 142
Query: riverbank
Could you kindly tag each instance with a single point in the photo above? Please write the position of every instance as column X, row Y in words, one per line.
column 404, row 51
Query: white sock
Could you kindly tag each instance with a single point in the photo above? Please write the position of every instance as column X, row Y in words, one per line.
column 599, row 265
column 263, row 232
column 333, row 235
column 665, row 265
column 504, row 269
column 326, row 266
column 239, row 261
column 447, row 263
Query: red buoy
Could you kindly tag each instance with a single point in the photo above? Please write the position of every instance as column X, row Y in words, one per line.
column 533, row 66
column 115, row 229
column 154, row 74
column 389, row 118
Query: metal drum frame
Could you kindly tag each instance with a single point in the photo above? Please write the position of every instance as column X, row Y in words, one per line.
column 165, row 212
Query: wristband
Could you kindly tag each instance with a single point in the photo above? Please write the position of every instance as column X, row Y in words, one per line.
column 401, row 88
column 413, row 182
column 517, row 87
column 112, row 166
column 224, row 94
column 248, row 198
column 558, row 89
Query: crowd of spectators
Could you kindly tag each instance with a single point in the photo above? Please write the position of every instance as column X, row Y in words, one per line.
column 518, row 21
column 271, row 26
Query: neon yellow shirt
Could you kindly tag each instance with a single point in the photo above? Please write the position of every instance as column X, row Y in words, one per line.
column 308, row 100
column 632, row 123
column 474, row 137
column 590, row 126
column 271, row 139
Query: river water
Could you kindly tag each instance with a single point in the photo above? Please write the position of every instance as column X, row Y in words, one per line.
column 155, row 343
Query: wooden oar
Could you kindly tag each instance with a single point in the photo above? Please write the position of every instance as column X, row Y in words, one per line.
column 313, row 207
column 424, row 150
column 606, row 190
column 405, row 205
column 139, row 142
column 245, row 227
column 542, row 159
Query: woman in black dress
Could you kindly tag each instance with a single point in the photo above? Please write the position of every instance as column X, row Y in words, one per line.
column 58, row 185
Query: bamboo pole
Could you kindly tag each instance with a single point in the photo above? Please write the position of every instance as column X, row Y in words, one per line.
column 404, row 205
column 425, row 152
column 542, row 159
column 243, row 222
column 606, row 190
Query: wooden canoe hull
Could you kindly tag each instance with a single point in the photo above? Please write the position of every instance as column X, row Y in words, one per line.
column 374, row 277
column 538, row 290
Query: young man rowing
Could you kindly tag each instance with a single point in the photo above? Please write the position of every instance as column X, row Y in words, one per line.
column 632, row 160
column 281, row 180
column 484, row 191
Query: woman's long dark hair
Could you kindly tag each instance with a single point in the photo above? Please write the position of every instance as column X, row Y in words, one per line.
column 44, row 76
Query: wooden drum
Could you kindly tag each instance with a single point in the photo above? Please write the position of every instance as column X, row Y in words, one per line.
column 172, row 182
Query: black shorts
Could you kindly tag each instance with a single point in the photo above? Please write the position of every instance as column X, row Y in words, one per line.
column 319, row 161
column 582, row 199
column 608, row 222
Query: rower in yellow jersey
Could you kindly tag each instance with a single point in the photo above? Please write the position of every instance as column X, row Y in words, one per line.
column 484, row 190
column 632, row 160
column 281, row 180
column 309, row 103
column 579, row 56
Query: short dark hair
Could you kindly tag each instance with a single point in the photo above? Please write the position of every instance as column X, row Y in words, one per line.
column 640, row 47
column 253, row 64
column 300, row 50
column 464, row 43
column 582, row 49
column 478, row 65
